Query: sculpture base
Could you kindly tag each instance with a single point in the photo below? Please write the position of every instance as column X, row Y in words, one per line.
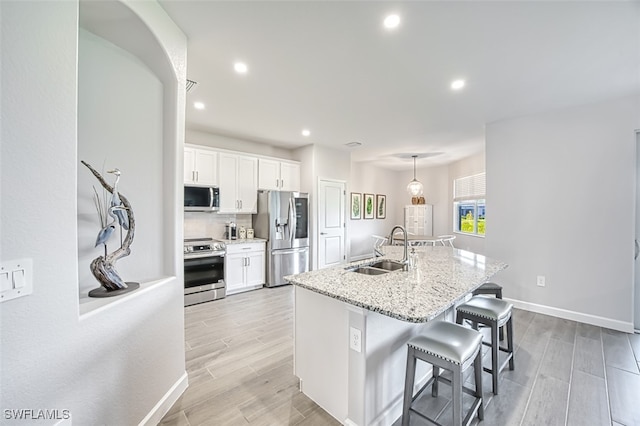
column 103, row 292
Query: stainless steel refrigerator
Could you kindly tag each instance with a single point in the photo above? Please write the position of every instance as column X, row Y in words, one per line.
column 283, row 219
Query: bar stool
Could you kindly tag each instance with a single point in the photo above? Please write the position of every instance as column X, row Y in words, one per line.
column 495, row 290
column 454, row 348
column 489, row 288
column 493, row 313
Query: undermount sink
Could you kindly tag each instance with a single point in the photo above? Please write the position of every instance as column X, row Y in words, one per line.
column 387, row 265
column 368, row 271
column 377, row 268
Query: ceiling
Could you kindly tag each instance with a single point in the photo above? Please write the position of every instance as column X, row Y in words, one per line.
column 331, row 67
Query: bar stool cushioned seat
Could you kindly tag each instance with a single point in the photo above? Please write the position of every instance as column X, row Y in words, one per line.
column 495, row 290
column 454, row 348
column 493, row 313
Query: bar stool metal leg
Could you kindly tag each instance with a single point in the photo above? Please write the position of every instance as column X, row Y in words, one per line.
column 408, row 385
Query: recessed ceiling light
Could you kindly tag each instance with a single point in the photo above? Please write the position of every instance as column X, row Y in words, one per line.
column 240, row 67
column 457, row 84
column 391, row 21
column 306, row 132
column 353, row 144
column 198, row 105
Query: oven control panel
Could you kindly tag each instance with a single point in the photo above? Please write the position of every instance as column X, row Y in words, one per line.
column 196, row 247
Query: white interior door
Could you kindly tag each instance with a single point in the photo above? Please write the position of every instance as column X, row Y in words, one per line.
column 331, row 223
column 637, row 254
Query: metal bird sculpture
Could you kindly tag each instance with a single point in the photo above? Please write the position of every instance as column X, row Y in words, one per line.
column 116, row 202
column 105, row 233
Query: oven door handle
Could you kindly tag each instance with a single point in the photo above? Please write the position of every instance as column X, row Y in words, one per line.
column 203, row 255
column 203, row 261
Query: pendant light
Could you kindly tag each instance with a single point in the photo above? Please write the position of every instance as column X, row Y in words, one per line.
column 415, row 187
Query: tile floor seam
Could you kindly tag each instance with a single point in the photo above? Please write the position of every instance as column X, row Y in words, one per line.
column 535, row 380
column 606, row 379
column 633, row 352
column 573, row 360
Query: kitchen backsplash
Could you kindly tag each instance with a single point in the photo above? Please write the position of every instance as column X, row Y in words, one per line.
column 201, row 224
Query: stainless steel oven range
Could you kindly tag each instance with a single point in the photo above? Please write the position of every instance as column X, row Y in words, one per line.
column 203, row 270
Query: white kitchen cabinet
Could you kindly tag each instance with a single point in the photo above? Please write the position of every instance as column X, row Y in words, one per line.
column 278, row 175
column 418, row 219
column 200, row 166
column 238, row 181
column 244, row 267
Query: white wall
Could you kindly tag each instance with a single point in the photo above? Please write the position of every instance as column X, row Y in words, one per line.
column 212, row 140
column 114, row 365
column 366, row 178
column 561, row 190
column 119, row 125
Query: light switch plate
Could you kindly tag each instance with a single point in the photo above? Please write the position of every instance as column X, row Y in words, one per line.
column 16, row 279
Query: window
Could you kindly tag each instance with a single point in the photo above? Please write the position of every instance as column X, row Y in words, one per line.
column 469, row 204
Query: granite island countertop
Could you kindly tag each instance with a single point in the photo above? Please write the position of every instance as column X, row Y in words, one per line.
column 443, row 276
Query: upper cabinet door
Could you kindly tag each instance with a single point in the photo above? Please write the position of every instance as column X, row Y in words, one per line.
column 268, row 174
column 189, row 165
column 290, row 176
column 247, row 184
column 200, row 167
column 228, row 182
column 206, row 167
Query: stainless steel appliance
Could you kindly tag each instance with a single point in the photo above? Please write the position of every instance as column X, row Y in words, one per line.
column 203, row 270
column 230, row 231
column 201, row 198
column 283, row 219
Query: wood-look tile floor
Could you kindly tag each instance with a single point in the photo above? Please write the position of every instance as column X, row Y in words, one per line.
column 239, row 353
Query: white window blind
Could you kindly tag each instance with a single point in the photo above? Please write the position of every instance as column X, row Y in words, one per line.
column 469, row 187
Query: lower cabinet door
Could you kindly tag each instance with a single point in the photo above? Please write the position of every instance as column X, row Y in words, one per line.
column 234, row 271
column 255, row 268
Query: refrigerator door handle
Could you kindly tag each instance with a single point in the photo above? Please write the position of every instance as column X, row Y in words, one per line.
column 292, row 221
column 292, row 251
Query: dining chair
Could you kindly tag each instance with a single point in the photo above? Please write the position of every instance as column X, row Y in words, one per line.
column 378, row 242
column 447, row 240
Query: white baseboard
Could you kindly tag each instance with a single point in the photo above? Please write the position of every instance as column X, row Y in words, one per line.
column 625, row 327
column 166, row 402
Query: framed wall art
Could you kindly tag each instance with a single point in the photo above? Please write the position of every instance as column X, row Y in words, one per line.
column 368, row 206
column 381, row 206
column 356, row 205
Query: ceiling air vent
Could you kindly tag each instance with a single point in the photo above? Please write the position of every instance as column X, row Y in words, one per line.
column 191, row 85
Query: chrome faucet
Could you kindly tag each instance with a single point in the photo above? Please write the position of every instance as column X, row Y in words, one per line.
column 405, row 257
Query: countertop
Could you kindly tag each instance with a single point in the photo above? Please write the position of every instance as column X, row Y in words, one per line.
column 242, row 241
column 443, row 276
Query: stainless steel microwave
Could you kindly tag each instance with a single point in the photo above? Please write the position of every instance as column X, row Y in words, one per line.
column 201, row 198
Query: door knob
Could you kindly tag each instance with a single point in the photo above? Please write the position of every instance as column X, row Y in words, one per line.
column 323, row 233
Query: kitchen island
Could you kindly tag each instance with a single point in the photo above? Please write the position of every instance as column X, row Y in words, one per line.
column 351, row 329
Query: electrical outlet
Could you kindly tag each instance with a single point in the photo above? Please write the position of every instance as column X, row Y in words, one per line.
column 355, row 339
column 540, row 281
